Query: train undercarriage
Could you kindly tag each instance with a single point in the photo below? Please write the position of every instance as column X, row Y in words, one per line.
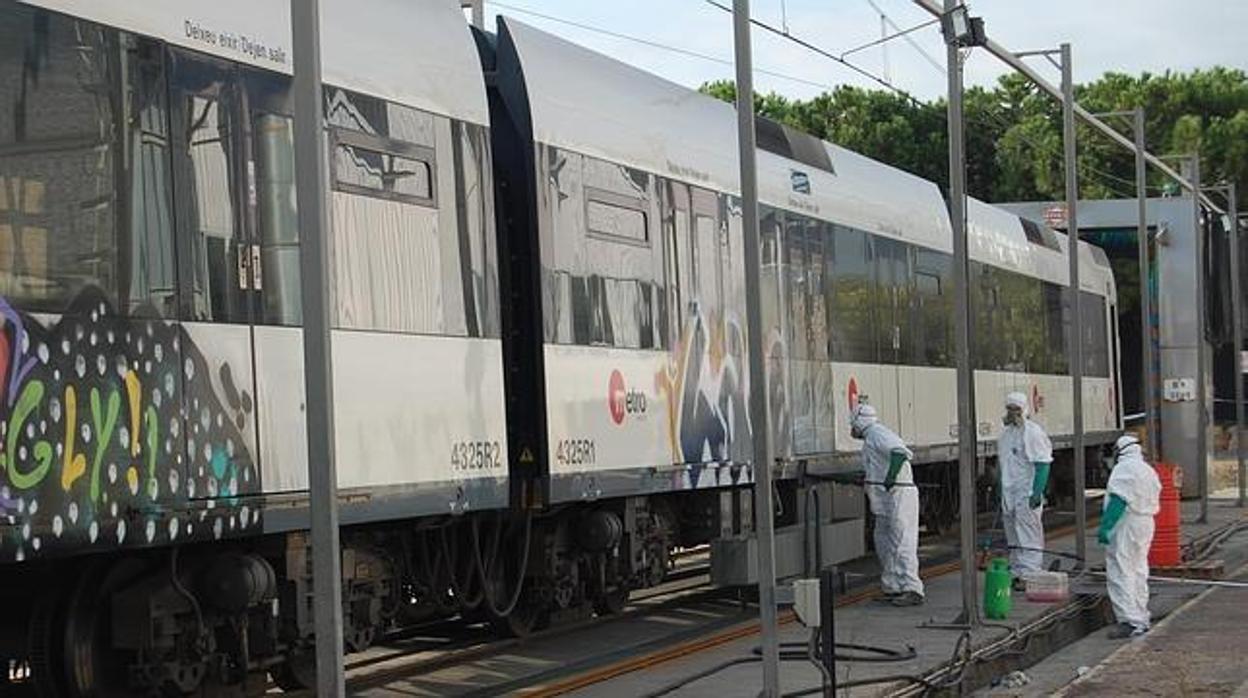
column 222, row 619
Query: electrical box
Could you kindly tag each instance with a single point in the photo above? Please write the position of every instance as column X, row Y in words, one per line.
column 806, row 602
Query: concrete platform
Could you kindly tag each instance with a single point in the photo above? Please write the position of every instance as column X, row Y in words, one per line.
column 898, row 628
column 1198, row 650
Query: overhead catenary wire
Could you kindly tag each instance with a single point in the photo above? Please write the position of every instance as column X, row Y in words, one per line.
column 826, row 54
column 889, row 85
column 785, row 34
column 909, row 39
column 658, row 45
column 899, row 33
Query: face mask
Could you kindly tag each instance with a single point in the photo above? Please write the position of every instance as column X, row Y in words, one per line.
column 1012, row 418
column 855, row 432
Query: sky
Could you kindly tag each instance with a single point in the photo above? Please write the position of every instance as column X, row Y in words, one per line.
column 1130, row 36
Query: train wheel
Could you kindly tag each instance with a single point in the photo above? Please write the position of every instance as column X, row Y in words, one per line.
column 297, row 673
column 612, row 602
column 529, row 616
column 93, row 669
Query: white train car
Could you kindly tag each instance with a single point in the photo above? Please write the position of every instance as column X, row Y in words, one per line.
column 151, row 352
column 538, row 330
column 858, row 296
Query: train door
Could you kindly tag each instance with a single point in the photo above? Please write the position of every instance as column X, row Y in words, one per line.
column 892, row 266
column 219, row 273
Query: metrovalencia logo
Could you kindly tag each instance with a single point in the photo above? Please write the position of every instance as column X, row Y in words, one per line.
column 621, row 401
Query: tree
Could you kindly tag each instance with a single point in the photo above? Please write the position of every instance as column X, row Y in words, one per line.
column 1014, row 132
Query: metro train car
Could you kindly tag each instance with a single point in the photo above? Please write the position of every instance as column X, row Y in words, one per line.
column 538, row 332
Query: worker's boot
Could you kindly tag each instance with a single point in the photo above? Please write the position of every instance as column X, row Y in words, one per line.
column 909, row 598
column 1123, row 631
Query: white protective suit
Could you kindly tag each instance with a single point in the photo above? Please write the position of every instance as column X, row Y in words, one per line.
column 896, row 511
column 1018, row 448
column 1126, row 558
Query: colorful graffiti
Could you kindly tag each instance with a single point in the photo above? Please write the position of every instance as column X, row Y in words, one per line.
column 705, row 388
column 112, row 434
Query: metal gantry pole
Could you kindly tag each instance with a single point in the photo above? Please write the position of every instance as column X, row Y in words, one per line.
column 1202, row 393
column 1237, row 325
column 962, row 337
column 311, row 180
column 759, row 418
column 1014, row 60
column 1076, row 326
column 1148, row 391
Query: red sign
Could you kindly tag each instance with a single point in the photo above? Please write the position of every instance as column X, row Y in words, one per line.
column 621, row 401
column 615, row 397
column 853, row 395
column 1037, row 400
column 1055, row 216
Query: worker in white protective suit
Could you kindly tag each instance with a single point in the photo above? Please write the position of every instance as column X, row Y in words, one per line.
column 894, row 504
column 1024, row 456
column 1132, row 498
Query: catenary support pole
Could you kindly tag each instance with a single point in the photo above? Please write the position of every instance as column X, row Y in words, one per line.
column 962, row 337
column 759, row 419
column 1237, row 326
column 1148, row 386
column 1014, row 61
column 311, row 179
column 1202, row 392
column 1076, row 325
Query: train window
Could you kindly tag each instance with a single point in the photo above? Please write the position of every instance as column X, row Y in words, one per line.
column 799, row 287
column 85, row 190
column 933, row 326
column 1026, row 324
column 277, row 218
column 616, row 216
column 478, row 246
column 1095, row 336
column 214, row 250
column 364, row 164
column 817, row 297
column 852, row 297
column 1057, row 325
column 987, row 329
column 892, row 288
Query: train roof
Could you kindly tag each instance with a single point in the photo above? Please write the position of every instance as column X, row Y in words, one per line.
column 595, row 105
column 1001, row 238
column 859, row 192
column 415, row 52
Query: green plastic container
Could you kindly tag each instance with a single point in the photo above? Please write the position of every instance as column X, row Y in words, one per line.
column 997, row 600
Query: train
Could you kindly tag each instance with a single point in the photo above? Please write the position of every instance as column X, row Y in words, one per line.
column 539, row 348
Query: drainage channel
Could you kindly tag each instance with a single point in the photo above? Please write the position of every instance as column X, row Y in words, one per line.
column 972, row 668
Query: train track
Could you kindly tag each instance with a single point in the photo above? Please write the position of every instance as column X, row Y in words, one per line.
column 441, row 645
column 437, row 645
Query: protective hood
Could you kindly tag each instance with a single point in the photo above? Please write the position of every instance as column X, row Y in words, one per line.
column 863, row 417
column 1126, row 447
column 1018, row 400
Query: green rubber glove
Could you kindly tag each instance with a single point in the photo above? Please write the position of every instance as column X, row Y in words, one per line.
column 1038, row 483
column 1114, row 510
column 896, row 459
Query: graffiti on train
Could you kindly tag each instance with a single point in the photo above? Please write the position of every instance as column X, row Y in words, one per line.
column 112, row 434
column 705, row 387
